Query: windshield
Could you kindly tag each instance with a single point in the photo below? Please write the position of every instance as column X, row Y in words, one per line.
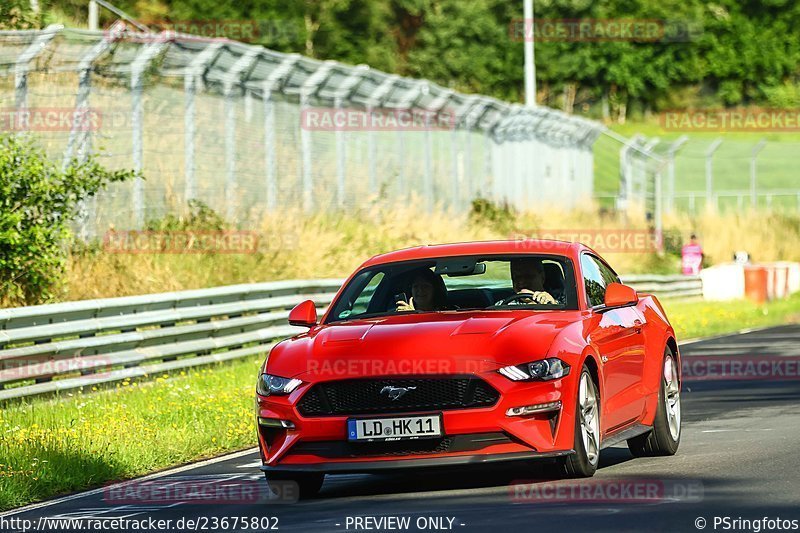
column 452, row 284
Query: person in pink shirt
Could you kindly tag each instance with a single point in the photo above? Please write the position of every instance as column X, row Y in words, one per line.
column 692, row 257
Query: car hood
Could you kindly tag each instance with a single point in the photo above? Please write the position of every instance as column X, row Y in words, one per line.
column 419, row 343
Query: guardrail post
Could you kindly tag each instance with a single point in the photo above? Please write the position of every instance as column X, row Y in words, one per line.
column 710, row 170
column 753, row 177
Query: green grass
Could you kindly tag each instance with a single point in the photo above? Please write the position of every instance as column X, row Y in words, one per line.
column 55, row 446
column 731, row 162
column 704, row 319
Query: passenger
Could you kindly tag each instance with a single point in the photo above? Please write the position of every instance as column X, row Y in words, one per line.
column 428, row 293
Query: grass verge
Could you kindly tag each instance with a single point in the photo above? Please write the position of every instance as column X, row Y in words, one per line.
column 82, row 440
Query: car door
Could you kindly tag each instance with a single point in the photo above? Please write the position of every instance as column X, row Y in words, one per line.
column 618, row 338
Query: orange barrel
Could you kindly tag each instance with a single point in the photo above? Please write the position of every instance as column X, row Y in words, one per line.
column 755, row 283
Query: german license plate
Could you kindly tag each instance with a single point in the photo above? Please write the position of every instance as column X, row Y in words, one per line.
column 394, row 428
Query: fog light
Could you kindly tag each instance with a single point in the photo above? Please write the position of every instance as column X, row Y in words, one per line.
column 531, row 409
column 275, row 423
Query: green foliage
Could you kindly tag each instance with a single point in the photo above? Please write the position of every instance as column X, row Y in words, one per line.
column 200, row 217
column 17, row 15
column 38, row 201
column 729, row 52
column 499, row 217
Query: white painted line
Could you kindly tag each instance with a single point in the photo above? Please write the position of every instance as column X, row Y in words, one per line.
column 156, row 475
column 736, row 430
column 723, row 335
column 254, row 464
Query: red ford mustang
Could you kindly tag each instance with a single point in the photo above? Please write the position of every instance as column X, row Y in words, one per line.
column 470, row 353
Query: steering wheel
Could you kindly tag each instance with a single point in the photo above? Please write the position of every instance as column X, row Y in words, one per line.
column 518, row 296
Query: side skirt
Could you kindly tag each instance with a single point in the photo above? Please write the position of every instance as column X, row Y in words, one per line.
column 628, row 433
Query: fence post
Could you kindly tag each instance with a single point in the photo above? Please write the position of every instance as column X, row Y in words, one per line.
column 753, row 177
column 270, row 85
column 710, row 170
column 309, row 89
column 78, row 128
column 659, row 209
column 139, row 65
column 673, row 149
column 192, row 78
column 376, row 99
column 23, row 65
column 348, row 85
column 233, row 79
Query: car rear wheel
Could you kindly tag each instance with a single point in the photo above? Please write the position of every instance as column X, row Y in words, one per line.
column 583, row 463
column 665, row 436
column 308, row 484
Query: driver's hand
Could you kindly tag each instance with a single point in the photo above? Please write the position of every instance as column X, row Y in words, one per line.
column 542, row 297
column 405, row 306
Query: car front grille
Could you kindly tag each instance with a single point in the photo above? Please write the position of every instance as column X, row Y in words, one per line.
column 365, row 396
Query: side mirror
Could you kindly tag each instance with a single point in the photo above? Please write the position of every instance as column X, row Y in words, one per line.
column 304, row 314
column 619, row 295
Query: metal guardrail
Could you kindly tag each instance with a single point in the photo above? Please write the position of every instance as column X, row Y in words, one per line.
column 670, row 286
column 66, row 346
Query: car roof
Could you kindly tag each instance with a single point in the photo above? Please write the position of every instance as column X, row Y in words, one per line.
column 505, row 247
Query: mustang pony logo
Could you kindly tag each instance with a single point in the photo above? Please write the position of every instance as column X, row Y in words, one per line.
column 395, row 393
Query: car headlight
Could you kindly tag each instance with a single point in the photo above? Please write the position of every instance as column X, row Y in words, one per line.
column 269, row 385
column 542, row 370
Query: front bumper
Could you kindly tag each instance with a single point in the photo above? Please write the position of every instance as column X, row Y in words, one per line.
column 532, row 436
column 355, row 467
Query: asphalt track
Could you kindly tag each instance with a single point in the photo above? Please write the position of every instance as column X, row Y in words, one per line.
column 738, row 460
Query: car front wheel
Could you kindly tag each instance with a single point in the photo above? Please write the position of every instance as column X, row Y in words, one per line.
column 665, row 436
column 583, row 463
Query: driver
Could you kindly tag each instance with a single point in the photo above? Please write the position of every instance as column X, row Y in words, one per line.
column 527, row 276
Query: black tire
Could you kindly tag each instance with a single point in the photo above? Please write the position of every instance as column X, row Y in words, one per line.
column 308, row 484
column 578, row 465
column 659, row 440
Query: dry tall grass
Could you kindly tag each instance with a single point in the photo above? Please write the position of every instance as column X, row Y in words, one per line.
column 294, row 245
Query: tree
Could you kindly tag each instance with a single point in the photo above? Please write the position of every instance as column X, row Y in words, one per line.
column 38, row 202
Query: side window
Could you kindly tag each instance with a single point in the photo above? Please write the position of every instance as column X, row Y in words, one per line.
column 362, row 302
column 593, row 280
column 609, row 276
